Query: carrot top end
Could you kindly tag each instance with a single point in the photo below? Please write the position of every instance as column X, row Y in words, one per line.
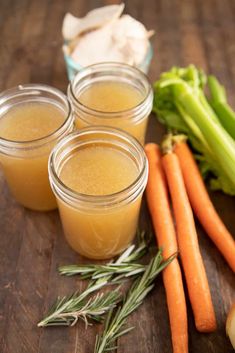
column 167, row 144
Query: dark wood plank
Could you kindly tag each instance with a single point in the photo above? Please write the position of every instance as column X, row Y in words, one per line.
column 32, row 244
column 26, row 296
column 214, row 43
column 11, row 222
column 192, row 45
column 27, row 47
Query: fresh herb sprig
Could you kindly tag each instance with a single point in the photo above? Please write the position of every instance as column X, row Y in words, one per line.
column 100, row 271
column 67, row 310
column 115, row 323
column 124, row 266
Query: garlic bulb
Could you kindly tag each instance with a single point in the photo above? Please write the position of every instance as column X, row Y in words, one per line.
column 74, row 26
column 104, row 35
column 230, row 325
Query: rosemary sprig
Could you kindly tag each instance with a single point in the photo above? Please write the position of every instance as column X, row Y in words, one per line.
column 67, row 310
column 124, row 266
column 115, row 323
column 100, row 271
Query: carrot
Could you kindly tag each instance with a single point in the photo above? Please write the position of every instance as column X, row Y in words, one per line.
column 195, row 274
column 158, row 203
column 203, row 206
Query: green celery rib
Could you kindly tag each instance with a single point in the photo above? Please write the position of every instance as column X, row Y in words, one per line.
column 217, row 91
column 219, row 103
column 207, row 106
column 193, row 127
column 202, row 145
column 216, row 136
column 227, row 117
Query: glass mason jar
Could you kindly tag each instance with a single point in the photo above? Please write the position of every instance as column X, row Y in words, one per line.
column 25, row 163
column 99, row 227
column 133, row 120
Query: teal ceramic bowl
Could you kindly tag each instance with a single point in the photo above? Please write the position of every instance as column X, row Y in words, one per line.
column 73, row 68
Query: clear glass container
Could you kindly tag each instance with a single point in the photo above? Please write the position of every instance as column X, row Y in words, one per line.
column 73, row 67
column 25, row 163
column 133, row 120
column 99, row 226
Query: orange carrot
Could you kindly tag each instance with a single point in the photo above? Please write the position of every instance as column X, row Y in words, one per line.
column 203, row 206
column 195, row 274
column 158, row 203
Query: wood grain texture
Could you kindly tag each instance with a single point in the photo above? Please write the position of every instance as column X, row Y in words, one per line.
column 32, row 244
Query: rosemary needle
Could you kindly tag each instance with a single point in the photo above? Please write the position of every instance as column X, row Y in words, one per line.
column 115, row 323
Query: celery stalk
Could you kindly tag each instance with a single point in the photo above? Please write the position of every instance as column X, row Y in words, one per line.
column 219, row 103
column 193, row 126
column 216, row 136
column 180, row 103
column 207, row 106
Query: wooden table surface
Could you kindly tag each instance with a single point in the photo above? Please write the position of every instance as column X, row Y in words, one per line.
column 32, row 244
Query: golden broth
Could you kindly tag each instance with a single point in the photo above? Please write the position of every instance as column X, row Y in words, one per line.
column 26, row 172
column 98, row 171
column 112, row 97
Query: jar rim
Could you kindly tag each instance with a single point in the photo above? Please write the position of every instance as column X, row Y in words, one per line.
column 116, row 67
column 33, row 89
column 125, row 195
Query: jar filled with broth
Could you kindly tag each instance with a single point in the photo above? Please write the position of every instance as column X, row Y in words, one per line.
column 112, row 94
column 33, row 118
column 98, row 176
